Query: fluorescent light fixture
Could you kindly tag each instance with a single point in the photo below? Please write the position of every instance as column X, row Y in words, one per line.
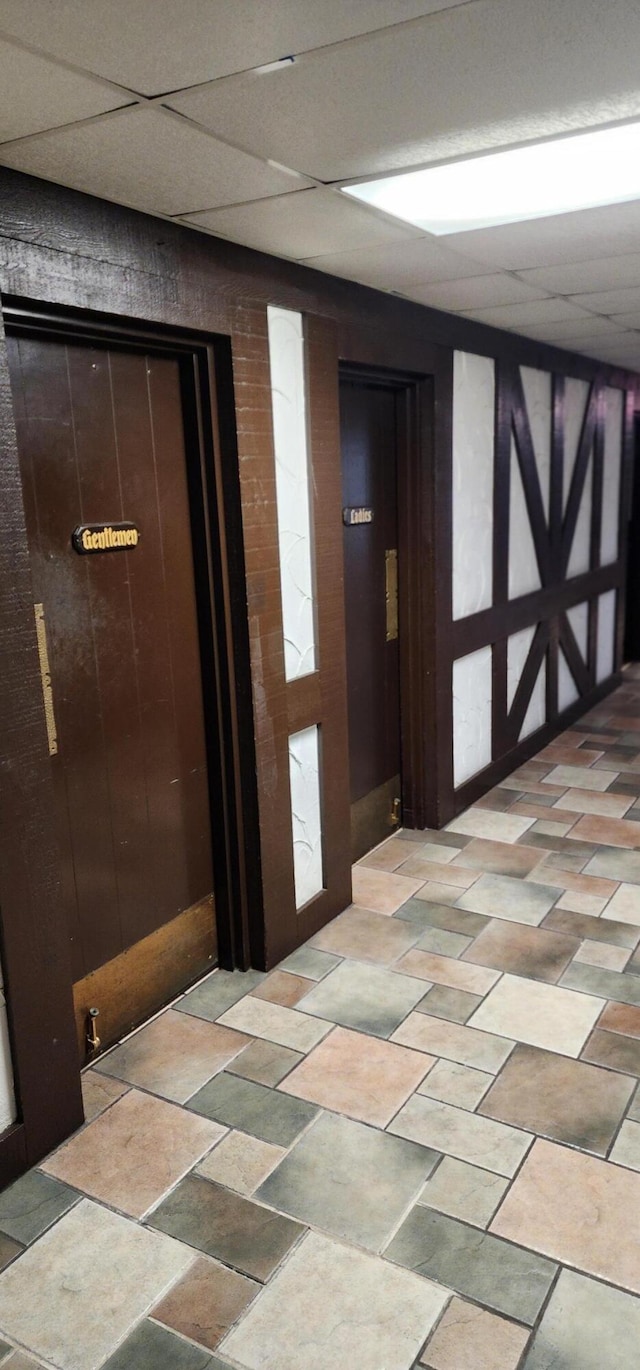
column 579, row 172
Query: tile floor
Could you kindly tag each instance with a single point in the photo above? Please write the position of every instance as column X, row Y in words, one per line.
column 414, row 1145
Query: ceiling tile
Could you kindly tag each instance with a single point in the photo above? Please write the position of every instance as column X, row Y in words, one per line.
column 560, row 239
column 306, row 224
column 36, row 94
column 592, row 326
column 149, row 159
column 475, row 292
column 394, row 267
column 601, row 273
column 612, row 301
column 154, row 46
column 536, row 311
column 441, row 86
column 628, row 320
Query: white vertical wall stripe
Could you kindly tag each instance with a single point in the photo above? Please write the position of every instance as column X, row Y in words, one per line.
column 578, row 617
column 524, row 575
column 537, row 392
column 614, row 410
column 606, row 635
column 472, row 688
column 473, row 448
column 306, row 814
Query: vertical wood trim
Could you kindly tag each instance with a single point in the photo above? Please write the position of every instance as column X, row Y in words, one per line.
column 557, row 472
column 441, row 517
column 501, row 539
column 624, row 513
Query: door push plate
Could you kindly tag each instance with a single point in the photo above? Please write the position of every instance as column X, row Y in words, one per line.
column 391, row 592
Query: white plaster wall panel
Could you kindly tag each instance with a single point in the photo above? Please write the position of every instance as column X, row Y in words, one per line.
column 580, row 557
column 576, row 394
column 524, row 575
column 471, row 714
column 537, row 393
column 536, row 714
column 567, row 689
column 614, row 413
column 473, row 449
column 7, row 1093
column 286, row 358
column 517, row 652
column 606, row 635
column 306, row 813
column 578, row 617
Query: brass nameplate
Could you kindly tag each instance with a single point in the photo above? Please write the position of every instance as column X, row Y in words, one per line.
column 105, row 537
column 352, row 517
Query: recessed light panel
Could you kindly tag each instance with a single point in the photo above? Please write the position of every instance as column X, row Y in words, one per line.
column 580, row 172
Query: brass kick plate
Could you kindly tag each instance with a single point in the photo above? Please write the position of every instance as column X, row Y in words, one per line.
column 391, row 592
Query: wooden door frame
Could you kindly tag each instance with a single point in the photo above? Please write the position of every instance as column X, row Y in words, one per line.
column 42, row 1033
column 415, row 460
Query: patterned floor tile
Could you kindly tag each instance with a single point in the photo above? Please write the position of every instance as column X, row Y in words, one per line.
column 463, row 1191
column 614, row 863
column 286, row 1026
column 240, row 1162
column 447, row 874
column 443, row 943
column 98, row 1092
column 435, row 893
column 456, row 1132
column 493, row 1272
column 538, row 1014
column 500, row 858
column 173, row 1055
column 213, row 996
column 310, row 963
column 575, row 1209
column 380, row 891
column 609, row 984
column 468, row 1046
column 502, row 896
column 349, row 1180
column 264, row 1062
column 389, row 855
column 154, row 1348
column 614, row 832
column 445, row 970
column 624, row 1018
column 593, row 801
column 624, row 905
column 132, row 1154
column 234, row 1230
column 580, row 925
column 501, row 827
column 92, row 1260
column 537, row 953
column 455, row 1084
column 613, row 1050
column 367, row 936
column 453, row 1004
column 242, row 1104
column 599, row 954
column 32, row 1204
column 557, row 1097
column 431, row 915
column 282, row 987
column 330, row 1307
column 468, row 1338
column 206, row 1302
column 587, row 1325
column 579, row 778
column 368, row 998
column 626, row 1149
column 364, row 1077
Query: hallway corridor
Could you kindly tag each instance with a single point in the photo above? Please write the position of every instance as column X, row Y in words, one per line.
column 415, row 1144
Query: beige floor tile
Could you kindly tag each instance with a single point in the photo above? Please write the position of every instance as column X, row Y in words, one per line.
column 624, row 905
column 435, row 893
column 76, row 1293
column 464, row 1191
column 366, row 936
column 174, row 1055
column 434, row 870
column 563, row 755
column 599, row 954
column 456, row 1084
column 286, row 1026
column 503, row 858
column 445, row 970
column 389, row 855
column 579, row 778
column 132, row 1154
column 334, row 1308
column 361, row 1076
column 98, row 1092
column 577, row 1210
column 281, row 987
column 568, row 879
column 504, row 896
column 469, row 1338
column 541, row 1015
column 582, row 903
column 592, row 801
column 626, row 1149
column 381, row 891
column 241, row 1162
column 466, row 1045
column 502, row 827
column 467, row 1136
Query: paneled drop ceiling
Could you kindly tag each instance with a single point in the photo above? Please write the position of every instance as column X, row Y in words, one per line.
column 157, row 104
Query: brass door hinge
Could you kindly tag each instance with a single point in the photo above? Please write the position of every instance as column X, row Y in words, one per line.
column 394, row 816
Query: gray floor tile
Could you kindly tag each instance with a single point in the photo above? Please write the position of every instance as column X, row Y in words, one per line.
column 234, row 1230
column 264, row 1062
column 609, row 984
column 504, row 896
column 32, row 1204
column 485, row 1268
column 587, row 1326
column 219, row 992
column 614, row 863
column 154, row 1348
column 444, row 943
column 426, row 914
column 310, row 962
column 253, row 1108
column 350, row 1180
column 456, row 1005
column 367, row 997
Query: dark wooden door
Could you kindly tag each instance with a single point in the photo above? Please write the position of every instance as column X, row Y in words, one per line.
column 101, row 440
column 369, row 483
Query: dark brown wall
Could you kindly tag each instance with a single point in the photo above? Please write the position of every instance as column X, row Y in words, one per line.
column 64, row 250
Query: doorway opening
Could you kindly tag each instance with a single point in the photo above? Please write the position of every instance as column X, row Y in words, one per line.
column 130, row 499
column 386, row 428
